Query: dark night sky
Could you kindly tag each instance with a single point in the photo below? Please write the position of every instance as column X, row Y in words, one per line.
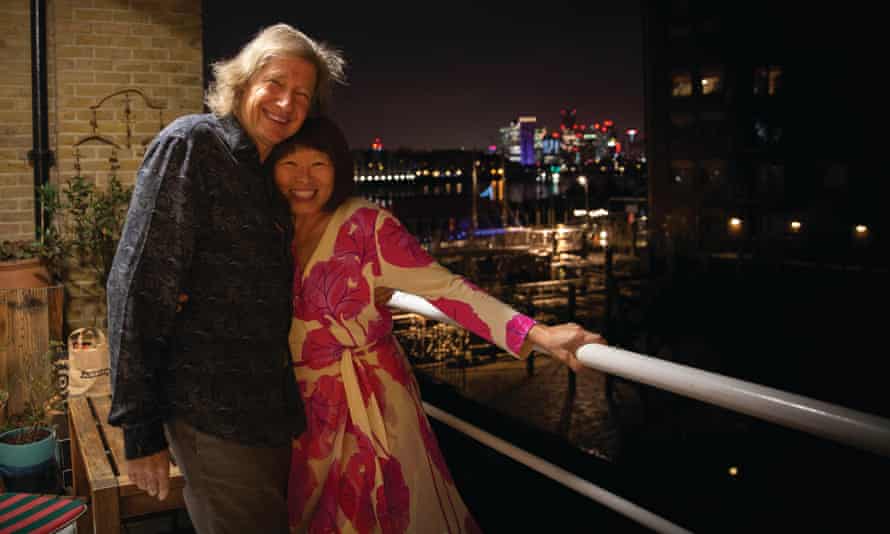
column 444, row 75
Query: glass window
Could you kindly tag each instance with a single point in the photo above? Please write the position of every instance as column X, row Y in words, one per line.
column 714, row 173
column 682, row 119
column 682, row 172
column 712, row 81
column 766, row 132
column 770, row 178
column 768, row 80
column 681, row 84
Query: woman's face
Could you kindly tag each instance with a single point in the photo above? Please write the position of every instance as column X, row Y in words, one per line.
column 276, row 101
column 305, row 176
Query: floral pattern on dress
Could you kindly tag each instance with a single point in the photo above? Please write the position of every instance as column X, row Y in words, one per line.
column 366, row 428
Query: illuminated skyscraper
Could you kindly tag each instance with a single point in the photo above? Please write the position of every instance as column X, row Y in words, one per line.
column 527, row 140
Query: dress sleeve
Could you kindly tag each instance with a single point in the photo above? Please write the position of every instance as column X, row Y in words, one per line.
column 147, row 274
column 406, row 266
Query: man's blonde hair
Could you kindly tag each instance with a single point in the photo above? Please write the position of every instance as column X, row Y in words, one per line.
column 231, row 76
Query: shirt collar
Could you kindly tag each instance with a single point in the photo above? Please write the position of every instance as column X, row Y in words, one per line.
column 241, row 145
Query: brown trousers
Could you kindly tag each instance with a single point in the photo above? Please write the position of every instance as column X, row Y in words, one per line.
column 230, row 488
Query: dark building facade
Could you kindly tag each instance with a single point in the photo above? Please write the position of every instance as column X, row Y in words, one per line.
column 756, row 133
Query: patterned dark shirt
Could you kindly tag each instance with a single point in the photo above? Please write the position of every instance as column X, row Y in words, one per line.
column 205, row 220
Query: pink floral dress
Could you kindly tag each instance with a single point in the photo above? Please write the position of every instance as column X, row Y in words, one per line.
column 369, row 461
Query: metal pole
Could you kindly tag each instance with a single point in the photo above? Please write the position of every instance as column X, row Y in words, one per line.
column 40, row 155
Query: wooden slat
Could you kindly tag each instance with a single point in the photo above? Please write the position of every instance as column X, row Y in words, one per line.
column 95, row 462
column 106, row 511
column 114, row 437
column 141, row 504
column 29, row 318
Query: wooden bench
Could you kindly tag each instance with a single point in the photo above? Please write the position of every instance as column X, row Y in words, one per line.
column 100, row 471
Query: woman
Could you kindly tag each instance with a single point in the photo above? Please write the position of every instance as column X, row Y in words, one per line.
column 369, row 461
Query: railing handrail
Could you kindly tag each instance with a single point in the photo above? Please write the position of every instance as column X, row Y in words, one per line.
column 852, row 427
column 554, row 472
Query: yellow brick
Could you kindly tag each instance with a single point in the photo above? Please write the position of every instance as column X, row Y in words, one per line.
column 162, row 42
column 94, row 64
column 113, row 53
column 142, row 78
column 75, row 51
column 131, row 16
column 169, row 66
column 151, row 53
column 130, row 41
column 14, row 116
column 113, row 77
column 94, row 89
column 116, row 28
column 186, row 80
column 90, row 39
column 186, row 54
column 132, row 66
column 150, row 30
column 93, row 15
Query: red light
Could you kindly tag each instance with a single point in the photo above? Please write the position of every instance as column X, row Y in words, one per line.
column 618, row 148
column 608, row 123
column 596, row 126
column 555, row 135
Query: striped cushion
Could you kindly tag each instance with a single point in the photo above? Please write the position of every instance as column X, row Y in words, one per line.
column 38, row 514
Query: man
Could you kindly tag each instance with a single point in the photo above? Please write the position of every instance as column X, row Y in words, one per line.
column 212, row 381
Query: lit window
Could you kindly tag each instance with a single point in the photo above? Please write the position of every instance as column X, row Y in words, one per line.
column 768, row 80
column 459, row 187
column 681, row 84
column 711, row 81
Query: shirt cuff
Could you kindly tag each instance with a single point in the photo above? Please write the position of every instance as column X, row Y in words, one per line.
column 517, row 331
column 144, row 440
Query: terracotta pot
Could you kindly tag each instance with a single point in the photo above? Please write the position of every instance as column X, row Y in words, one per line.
column 23, row 274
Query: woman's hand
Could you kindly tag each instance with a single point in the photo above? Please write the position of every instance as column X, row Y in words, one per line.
column 382, row 295
column 563, row 341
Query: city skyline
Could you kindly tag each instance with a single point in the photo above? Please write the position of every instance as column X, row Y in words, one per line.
column 452, row 80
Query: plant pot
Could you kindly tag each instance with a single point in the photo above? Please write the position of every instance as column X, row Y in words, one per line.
column 23, row 274
column 30, row 467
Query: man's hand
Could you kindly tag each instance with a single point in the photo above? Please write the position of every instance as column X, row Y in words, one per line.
column 151, row 473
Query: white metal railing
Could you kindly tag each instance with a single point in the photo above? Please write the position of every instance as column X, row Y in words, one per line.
column 566, row 478
column 844, row 425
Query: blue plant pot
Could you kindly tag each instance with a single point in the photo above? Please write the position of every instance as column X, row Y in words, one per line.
column 30, row 467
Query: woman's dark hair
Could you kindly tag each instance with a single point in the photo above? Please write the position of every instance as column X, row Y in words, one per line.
column 323, row 134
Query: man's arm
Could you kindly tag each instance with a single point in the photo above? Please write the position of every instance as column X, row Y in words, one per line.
column 152, row 260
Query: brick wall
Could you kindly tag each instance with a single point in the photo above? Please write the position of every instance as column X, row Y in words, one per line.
column 16, row 191
column 95, row 48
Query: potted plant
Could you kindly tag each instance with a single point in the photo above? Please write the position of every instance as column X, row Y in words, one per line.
column 39, row 262
column 28, row 445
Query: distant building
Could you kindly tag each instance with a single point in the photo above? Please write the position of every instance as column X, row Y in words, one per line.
column 527, row 140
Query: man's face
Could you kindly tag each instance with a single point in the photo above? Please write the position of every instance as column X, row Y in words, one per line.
column 276, row 101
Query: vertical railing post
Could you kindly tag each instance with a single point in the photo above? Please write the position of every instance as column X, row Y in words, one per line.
column 571, row 318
